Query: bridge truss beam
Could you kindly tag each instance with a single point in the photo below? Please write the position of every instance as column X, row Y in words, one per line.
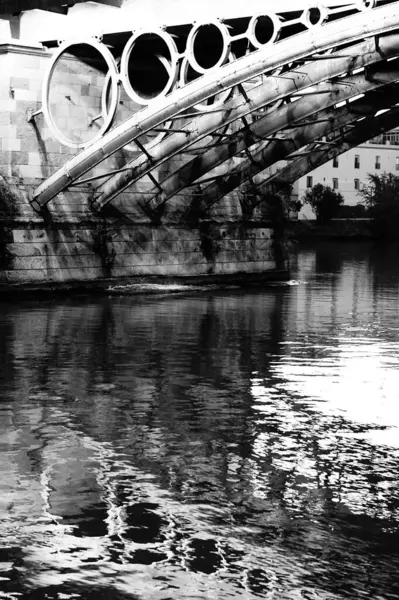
column 274, row 89
column 275, row 120
column 349, row 138
column 312, row 42
column 269, row 152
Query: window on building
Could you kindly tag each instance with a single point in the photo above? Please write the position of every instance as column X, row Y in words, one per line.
column 378, row 162
column 357, row 184
column 379, row 139
column 357, row 161
column 397, row 163
column 309, row 181
column 392, row 138
column 335, row 162
column 335, row 183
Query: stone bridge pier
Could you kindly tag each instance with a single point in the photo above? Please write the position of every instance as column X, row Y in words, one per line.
column 156, row 141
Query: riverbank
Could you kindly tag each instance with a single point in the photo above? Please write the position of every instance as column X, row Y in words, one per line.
column 336, row 229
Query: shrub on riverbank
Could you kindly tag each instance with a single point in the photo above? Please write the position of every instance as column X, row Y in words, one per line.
column 381, row 198
column 325, row 201
column 356, row 211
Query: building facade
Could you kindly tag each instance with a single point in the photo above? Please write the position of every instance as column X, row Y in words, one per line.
column 348, row 173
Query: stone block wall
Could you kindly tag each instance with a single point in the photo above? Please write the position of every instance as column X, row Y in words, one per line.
column 83, row 251
column 20, row 91
column 29, row 152
column 70, row 243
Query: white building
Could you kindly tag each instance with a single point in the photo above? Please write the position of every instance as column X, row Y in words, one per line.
column 348, row 173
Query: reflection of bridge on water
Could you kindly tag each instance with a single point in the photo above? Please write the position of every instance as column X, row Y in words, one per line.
column 110, row 514
column 207, row 475
column 224, row 101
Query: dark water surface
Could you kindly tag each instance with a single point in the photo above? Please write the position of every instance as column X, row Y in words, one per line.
column 222, row 445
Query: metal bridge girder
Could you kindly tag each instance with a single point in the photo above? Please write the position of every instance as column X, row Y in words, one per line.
column 272, row 122
column 355, row 27
column 275, row 88
column 362, row 132
column 266, row 155
column 344, row 117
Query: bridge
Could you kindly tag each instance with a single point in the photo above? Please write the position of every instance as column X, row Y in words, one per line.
column 169, row 114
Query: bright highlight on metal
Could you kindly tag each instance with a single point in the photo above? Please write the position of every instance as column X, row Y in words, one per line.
column 366, row 4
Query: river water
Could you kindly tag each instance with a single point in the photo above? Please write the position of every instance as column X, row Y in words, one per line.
column 215, row 445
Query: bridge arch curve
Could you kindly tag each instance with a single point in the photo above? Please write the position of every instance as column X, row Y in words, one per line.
column 309, row 48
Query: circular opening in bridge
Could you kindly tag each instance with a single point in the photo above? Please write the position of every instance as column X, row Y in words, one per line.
column 366, row 4
column 263, row 30
column 208, row 46
column 149, row 66
column 72, row 92
column 314, row 16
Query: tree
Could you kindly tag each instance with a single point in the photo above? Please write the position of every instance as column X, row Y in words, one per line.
column 381, row 198
column 277, row 201
column 324, row 201
column 276, row 206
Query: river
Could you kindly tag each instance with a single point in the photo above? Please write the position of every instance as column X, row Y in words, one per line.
column 220, row 445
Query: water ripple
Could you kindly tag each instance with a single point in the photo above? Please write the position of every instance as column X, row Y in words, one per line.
column 226, row 445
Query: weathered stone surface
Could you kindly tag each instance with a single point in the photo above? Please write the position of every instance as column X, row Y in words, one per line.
column 71, row 243
column 83, row 252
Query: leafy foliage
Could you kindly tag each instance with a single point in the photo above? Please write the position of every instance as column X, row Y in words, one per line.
column 324, row 201
column 102, row 246
column 381, row 198
column 276, row 204
column 357, row 211
column 8, row 207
